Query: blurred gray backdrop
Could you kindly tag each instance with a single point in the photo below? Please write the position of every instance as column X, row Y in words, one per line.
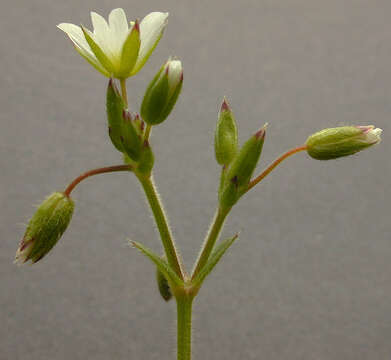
column 310, row 277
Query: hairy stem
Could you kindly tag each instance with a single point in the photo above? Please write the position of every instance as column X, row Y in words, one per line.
column 271, row 167
column 124, row 91
column 211, row 239
column 184, row 313
column 162, row 224
column 147, row 132
column 93, row 172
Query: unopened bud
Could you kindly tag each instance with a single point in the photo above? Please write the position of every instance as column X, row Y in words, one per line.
column 241, row 169
column 45, row 228
column 341, row 141
column 226, row 136
column 163, row 286
column 162, row 93
column 130, row 139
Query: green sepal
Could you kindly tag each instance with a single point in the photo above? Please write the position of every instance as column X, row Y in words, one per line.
column 155, row 99
column 226, row 136
column 130, row 140
column 228, row 192
column 161, row 264
column 171, row 101
column 163, row 285
column 114, row 107
column 100, row 55
column 241, row 169
column 130, row 51
column 146, row 160
column 213, row 260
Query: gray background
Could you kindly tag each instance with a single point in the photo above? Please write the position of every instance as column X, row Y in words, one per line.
column 310, row 277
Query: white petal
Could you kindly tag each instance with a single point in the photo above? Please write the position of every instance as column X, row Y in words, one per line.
column 118, row 22
column 99, row 23
column 102, row 34
column 76, row 35
column 373, row 136
column 151, row 28
column 174, row 73
column 119, row 30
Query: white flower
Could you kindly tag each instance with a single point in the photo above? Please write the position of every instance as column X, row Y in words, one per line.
column 115, row 48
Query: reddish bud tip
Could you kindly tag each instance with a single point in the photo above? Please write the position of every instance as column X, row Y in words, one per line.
column 126, row 115
column 260, row 134
column 225, row 106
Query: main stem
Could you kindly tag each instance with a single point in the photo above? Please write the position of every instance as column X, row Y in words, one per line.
column 162, row 224
column 184, row 311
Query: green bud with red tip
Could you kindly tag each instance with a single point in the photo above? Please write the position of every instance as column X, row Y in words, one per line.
column 162, row 93
column 45, row 228
column 239, row 173
column 226, row 136
column 341, row 141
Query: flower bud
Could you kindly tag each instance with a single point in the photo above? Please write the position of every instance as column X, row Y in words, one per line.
column 163, row 286
column 130, row 139
column 226, row 136
column 341, row 141
column 45, row 228
column 162, row 93
column 241, row 169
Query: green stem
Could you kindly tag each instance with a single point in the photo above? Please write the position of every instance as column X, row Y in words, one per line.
column 93, row 172
column 274, row 164
column 184, row 311
column 211, row 238
column 124, row 92
column 147, row 132
column 162, row 224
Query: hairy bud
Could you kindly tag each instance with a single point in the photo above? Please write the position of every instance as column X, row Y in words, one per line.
column 341, row 141
column 45, row 228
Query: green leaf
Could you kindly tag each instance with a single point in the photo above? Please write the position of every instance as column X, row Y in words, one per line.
column 161, row 264
column 213, row 260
